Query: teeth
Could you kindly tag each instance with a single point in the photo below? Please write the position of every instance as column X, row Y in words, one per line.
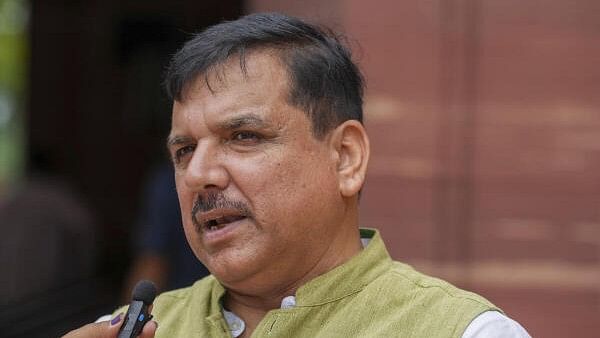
column 214, row 225
column 220, row 222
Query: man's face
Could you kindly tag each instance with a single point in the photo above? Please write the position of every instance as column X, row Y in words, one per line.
column 259, row 193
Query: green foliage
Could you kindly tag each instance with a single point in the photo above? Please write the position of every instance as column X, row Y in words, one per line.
column 13, row 64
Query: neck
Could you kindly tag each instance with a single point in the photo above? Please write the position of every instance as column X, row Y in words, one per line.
column 253, row 301
column 252, row 308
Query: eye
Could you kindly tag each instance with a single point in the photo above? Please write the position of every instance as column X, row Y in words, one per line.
column 182, row 152
column 246, row 137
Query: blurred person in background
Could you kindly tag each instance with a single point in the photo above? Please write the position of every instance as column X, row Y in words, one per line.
column 47, row 237
column 161, row 250
column 48, row 254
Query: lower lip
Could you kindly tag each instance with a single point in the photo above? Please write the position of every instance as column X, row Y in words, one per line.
column 225, row 233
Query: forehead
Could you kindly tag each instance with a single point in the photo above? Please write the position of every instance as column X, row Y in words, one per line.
column 257, row 74
column 258, row 78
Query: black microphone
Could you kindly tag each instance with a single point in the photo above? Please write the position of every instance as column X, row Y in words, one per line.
column 137, row 315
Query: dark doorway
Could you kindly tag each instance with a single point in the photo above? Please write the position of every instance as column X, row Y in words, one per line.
column 97, row 118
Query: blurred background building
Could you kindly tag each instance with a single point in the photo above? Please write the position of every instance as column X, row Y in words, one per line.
column 484, row 117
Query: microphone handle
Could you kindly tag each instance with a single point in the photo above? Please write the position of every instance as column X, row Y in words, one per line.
column 137, row 315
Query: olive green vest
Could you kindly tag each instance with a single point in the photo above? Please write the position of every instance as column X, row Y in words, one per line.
column 368, row 296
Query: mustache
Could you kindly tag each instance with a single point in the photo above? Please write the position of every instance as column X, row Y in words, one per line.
column 217, row 200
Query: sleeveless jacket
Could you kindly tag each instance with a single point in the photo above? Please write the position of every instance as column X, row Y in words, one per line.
column 368, row 296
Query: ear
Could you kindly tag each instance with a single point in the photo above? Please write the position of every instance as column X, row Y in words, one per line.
column 351, row 145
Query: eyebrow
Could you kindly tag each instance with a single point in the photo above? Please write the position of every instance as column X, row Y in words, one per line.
column 176, row 140
column 247, row 120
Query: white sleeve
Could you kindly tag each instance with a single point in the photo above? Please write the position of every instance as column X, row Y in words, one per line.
column 493, row 324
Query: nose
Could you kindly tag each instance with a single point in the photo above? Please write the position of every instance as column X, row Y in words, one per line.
column 206, row 170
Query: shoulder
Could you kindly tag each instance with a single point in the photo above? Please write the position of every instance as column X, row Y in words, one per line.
column 431, row 289
column 430, row 306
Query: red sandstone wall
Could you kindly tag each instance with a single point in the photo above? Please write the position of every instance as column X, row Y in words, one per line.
column 485, row 125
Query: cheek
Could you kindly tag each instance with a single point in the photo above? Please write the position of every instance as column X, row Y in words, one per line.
column 277, row 181
column 284, row 189
column 183, row 194
column 186, row 201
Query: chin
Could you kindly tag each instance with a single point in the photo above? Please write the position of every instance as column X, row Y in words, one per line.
column 244, row 281
column 229, row 269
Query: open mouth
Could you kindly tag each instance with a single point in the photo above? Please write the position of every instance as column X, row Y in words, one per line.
column 214, row 212
column 220, row 222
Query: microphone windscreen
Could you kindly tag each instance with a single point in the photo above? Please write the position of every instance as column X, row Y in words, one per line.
column 144, row 291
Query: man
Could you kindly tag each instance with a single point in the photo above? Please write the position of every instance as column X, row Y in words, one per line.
column 270, row 156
